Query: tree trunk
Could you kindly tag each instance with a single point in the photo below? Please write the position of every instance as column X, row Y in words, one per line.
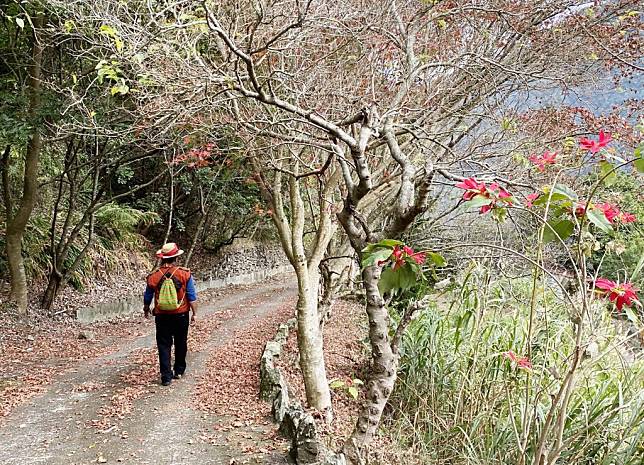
column 383, row 373
column 199, row 229
column 17, row 222
column 53, row 286
column 309, row 339
column 17, row 271
column 195, row 239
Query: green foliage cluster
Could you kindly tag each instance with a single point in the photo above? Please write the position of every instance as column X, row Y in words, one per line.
column 117, row 234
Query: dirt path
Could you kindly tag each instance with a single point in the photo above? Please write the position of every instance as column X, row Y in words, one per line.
column 112, row 409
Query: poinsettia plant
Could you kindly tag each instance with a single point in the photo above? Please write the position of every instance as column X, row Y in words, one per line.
column 621, row 294
column 567, row 212
column 486, row 197
column 402, row 266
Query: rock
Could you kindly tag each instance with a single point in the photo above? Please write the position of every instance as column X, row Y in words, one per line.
column 85, row 334
column 307, row 445
column 30, row 338
column 335, row 459
column 280, row 404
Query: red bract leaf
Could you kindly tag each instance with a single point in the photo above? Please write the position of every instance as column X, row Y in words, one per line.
column 610, row 210
column 510, row 355
column 622, row 294
column 419, row 257
column 472, row 187
column 548, row 158
column 520, row 362
column 524, row 363
column 595, row 146
column 531, row 198
column 627, row 218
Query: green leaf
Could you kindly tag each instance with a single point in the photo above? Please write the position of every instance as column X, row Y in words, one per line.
column 383, row 243
column 108, row 30
column 554, row 198
column 353, row 392
column 598, row 218
column 69, row 26
column 565, row 191
column 639, row 165
column 120, row 88
column 631, row 315
column 562, row 228
column 358, row 382
column 478, row 201
column 400, row 279
column 638, row 268
column 389, row 243
column 437, row 259
column 373, row 257
column 336, row 384
column 607, row 170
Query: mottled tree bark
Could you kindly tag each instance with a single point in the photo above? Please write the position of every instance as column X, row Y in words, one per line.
column 305, row 262
column 384, row 368
column 17, row 221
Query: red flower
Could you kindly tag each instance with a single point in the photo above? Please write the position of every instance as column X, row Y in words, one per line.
column 531, row 198
column 525, row 363
column 611, row 211
column 627, row 218
column 580, row 209
column 511, row 355
column 614, row 215
column 419, row 257
column 621, row 294
column 494, row 192
column 595, row 146
column 485, row 208
column 503, row 194
column 548, row 158
column 521, row 362
column 472, row 188
column 399, row 259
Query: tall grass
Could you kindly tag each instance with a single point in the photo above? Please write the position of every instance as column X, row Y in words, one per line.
column 459, row 400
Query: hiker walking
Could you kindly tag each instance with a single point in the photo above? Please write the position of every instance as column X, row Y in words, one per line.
column 173, row 290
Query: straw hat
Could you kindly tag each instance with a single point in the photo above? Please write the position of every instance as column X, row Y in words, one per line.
column 169, row 250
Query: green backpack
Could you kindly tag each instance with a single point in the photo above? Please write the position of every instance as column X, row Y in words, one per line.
column 168, row 300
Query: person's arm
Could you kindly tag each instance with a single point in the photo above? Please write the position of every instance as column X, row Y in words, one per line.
column 191, row 294
column 148, row 297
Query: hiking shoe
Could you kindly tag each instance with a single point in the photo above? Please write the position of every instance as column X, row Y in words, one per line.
column 178, row 376
column 166, row 382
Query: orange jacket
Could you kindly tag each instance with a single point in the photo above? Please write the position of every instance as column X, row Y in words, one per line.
column 183, row 275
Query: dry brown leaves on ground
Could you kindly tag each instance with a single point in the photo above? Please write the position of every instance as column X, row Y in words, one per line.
column 345, row 358
column 136, row 382
column 33, row 350
column 230, row 386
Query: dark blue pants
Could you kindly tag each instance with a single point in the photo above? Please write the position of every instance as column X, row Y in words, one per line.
column 172, row 328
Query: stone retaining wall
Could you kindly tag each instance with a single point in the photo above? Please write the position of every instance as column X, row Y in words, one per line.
column 295, row 423
column 242, row 262
column 242, row 257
